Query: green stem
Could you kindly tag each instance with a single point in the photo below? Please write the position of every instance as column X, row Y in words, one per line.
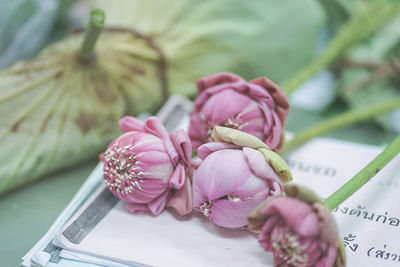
column 364, row 175
column 358, row 28
column 92, row 33
column 341, row 120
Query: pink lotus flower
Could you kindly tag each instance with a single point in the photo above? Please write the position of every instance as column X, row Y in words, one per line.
column 298, row 229
column 236, row 174
column 146, row 167
column 258, row 107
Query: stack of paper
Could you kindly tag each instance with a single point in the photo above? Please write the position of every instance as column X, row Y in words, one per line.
column 96, row 230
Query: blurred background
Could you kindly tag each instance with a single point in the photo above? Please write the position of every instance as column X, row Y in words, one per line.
column 335, row 55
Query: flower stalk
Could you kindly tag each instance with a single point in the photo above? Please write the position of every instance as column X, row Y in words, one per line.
column 375, row 15
column 364, row 175
column 92, row 33
column 341, row 120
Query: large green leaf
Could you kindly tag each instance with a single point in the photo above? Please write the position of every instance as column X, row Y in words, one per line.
column 56, row 111
column 255, row 38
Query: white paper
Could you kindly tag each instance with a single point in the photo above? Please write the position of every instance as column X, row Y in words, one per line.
column 323, row 165
column 169, row 240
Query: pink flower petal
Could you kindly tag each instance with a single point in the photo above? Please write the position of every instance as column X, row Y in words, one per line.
column 308, row 226
column 197, row 131
column 153, row 126
column 136, row 208
column 253, row 186
column 265, row 237
column 147, row 192
column 224, row 105
column 273, row 128
column 101, row 157
column 329, row 258
column 178, row 177
column 208, row 148
column 219, row 78
column 161, row 172
column 129, row 124
column 233, row 214
column 278, row 95
column 182, row 199
column 259, row 165
column 157, row 206
column 151, row 158
column 294, row 211
column 221, row 173
column 182, row 145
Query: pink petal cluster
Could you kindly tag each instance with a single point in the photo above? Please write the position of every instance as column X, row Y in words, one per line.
column 296, row 232
column 258, row 107
column 146, row 167
column 231, row 181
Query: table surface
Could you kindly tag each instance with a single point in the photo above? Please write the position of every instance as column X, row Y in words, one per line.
column 26, row 214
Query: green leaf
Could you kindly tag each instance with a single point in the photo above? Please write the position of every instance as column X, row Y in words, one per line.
column 371, row 76
column 57, row 111
column 252, row 38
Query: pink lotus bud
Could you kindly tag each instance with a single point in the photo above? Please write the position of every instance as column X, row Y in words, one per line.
column 146, row 167
column 298, row 229
column 258, row 107
column 233, row 178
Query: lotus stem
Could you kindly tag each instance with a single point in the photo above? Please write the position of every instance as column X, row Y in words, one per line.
column 92, row 33
column 341, row 120
column 375, row 15
column 364, row 175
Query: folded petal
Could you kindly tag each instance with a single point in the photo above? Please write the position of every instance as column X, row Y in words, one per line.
column 278, row 164
column 158, row 205
column 215, row 79
column 208, row 148
column 128, row 124
column 181, row 142
column 153, row 126
column 182, row 199
column 259, row 165
column 178, row 177
column 277, row 94
column 272, row 128
column 198, row 131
